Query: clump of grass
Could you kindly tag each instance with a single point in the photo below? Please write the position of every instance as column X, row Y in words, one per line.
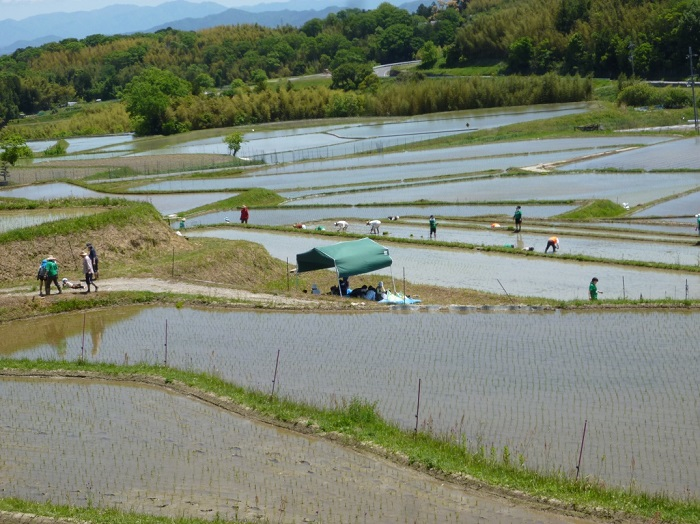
column 255, row 197
column 593, row 210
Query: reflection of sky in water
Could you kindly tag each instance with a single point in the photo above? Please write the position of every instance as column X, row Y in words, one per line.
column 483, row 368
column 685, row 206
column 631, row 188
column 677, row 154
column 90, row 156
column 76, row 145
column 520, row 276
column 256, row 146
column 366, row 174
column 326, row 216
column 165, row 204
column 30, row 217
column 464, row 153
column 676, row 229
column 286, row 146
column 629, row 247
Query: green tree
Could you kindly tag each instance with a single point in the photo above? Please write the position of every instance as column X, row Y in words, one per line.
column 259, row 78
column 234, row 141
column 148, row 97
column 520, row 54
column 395, row 44
column 350, row 76
column 428, row 54
column 13, row 148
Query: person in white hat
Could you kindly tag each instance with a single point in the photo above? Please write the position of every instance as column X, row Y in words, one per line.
column 51, row 275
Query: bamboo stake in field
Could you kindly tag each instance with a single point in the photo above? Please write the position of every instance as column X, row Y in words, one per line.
column 274, row 378
column 580, row 453
column 404, row 285
column 504, row 289
column 82, row 348
column 165, row 361
column 415, row 432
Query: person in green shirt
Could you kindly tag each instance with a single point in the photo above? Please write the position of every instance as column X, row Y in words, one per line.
column 518, row 219
column 697, row 227
column 433, row 227
column 51, row 275
column 593, row 289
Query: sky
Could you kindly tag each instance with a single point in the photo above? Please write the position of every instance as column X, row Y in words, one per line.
column 19, row 9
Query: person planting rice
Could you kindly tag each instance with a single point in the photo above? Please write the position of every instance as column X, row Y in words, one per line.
column 552, row 242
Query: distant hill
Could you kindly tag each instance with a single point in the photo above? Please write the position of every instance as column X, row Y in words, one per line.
column 238, row 16
column 117, row 19
column 178, row 14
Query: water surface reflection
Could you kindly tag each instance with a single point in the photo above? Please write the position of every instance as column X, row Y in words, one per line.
column 528, row 388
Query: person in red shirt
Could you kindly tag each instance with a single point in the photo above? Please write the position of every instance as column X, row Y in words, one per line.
column 244, row 215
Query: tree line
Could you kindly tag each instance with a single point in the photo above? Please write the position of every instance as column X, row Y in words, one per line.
column 530, row 37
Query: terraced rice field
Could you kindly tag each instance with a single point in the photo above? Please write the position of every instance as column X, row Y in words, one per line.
column 527, row 381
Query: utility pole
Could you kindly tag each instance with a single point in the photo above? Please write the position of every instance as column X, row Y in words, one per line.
column 692, row 87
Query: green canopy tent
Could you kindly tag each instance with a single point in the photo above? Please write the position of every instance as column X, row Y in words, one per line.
column 347, row 258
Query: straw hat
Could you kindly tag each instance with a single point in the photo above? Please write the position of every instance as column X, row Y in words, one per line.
column 83, row 254
column 51, row 257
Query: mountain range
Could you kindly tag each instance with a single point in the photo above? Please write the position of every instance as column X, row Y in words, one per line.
column 37, row 30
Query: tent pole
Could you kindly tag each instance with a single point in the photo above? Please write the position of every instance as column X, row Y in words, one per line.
column 337, row 275
column 393, row 284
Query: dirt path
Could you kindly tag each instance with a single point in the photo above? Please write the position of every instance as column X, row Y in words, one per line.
column 209, row 289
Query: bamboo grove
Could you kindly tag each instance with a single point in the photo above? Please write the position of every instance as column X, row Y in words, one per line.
column 527, row 37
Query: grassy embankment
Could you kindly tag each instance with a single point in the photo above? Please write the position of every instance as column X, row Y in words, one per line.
column 357, row 423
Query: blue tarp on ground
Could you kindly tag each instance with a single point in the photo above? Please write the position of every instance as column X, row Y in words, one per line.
column 398, row 298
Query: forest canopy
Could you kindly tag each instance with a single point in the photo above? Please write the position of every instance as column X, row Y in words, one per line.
column 634, row 38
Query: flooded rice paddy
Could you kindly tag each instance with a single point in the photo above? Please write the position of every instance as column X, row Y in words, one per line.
column 170, row 455
column 685, row 206
column 525, row 380
column 293, row 145
column 618, row 187
column 677, row 154
column 492, row 272
column 401, row 173
column 326, row 216
column 466, row 152
column 165, row 204
column 82, row 144
column 31, row 217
